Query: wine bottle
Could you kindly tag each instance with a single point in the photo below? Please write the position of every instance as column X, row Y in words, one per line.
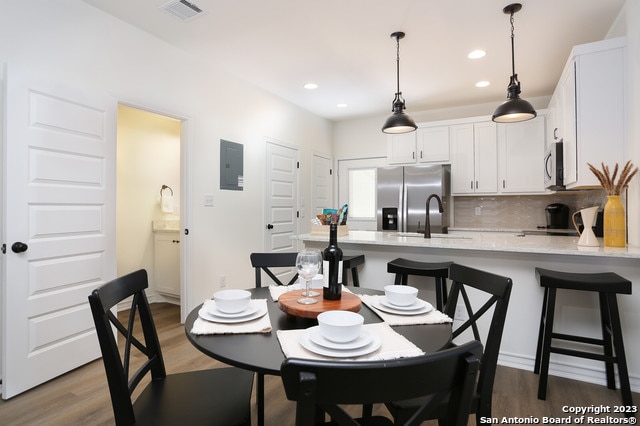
column 332, row 266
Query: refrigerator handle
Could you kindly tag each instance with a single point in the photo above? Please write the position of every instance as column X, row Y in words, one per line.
column 403, row 208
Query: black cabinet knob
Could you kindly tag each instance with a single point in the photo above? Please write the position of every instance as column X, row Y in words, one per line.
column 269, row 226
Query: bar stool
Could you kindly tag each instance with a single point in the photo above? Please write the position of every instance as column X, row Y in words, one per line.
column 607, row 284
column 440, row 271
column 351, row 263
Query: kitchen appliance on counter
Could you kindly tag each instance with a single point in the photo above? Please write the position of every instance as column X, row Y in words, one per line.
column 553, row 167
column 557, row 216
column 402, row 194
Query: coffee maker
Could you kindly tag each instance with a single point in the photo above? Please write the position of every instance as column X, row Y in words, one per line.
column 557, row 216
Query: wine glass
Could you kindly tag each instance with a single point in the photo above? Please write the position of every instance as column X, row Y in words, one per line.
column 308, row 265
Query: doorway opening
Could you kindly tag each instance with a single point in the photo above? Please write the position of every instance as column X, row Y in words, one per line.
column 148, row 210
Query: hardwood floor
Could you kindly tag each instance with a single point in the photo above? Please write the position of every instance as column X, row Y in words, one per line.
column 81, row 397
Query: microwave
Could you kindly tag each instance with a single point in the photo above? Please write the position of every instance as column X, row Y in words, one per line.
column 553, row 168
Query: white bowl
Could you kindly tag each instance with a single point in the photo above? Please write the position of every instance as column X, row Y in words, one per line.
column 232, row 301
column 340, row 326
column 400, row 295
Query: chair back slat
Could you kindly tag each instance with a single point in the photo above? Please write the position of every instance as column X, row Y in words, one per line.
column 117, row 367
column 497, row 292
column 328, row 384
column 266, row 261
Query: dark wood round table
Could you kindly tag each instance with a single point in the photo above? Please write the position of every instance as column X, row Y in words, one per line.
column 261, row 352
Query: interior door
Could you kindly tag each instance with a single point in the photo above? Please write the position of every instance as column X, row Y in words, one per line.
column 58, row 224
column 281, row 198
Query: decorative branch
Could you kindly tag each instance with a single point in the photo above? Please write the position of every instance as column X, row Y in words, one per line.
column 608, row 181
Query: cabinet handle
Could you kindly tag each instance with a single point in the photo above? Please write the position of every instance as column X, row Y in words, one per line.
column 420, row 154
column 175, row 241
column 413, row 155
column 555, row 134
column 476, row 184
column 471, row 184
column 503, row 184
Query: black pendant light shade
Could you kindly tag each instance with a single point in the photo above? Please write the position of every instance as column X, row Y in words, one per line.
column 399, row 122
column 514, row 109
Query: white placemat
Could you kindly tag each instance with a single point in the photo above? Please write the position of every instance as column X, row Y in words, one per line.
column 432, row 317
column 394, row 345
column 258, row 325
column 277, row 290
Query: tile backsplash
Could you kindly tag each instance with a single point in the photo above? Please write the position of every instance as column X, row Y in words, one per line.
column 518, row 211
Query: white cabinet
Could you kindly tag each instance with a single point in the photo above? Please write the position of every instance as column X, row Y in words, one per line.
column 432, row 144
column 167, row 262
column 474, row 158
column 588, row 110
column 521, row 150
column 401, row 149
column 428, row 144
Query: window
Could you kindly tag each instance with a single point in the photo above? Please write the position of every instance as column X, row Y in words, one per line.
column 362, row 193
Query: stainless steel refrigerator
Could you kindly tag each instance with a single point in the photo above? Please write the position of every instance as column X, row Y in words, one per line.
column 402, row 193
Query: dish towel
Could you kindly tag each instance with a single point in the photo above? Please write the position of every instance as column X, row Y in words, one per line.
column 432, row 317
column 277, row 290
column 394, row 345
column 258, row 325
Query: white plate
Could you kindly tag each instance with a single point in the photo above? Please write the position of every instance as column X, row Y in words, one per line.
column 418, row 304
column 384, row 308
column 205, row 315
column 316, row 337
column 306, row 343
column 212, row 308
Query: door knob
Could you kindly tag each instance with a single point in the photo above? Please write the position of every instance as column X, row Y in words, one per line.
column 269, row 226
column 19, row 247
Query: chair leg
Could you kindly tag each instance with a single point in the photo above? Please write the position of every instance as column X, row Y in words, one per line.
column 623, row 372
column 398, row 279
column 345, row 276
column 356, row 280
column 441, row 293
column 536, row 367
column 260, row 399
column 607, row 338
column 546, row 344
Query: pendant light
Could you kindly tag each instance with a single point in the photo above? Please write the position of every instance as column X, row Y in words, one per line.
column 399, row 122
column 513, row 109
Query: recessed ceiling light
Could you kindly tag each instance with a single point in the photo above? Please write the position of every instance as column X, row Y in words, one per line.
column 342, row 105
column 482, row 84
column 476, row 54
column 310, row 86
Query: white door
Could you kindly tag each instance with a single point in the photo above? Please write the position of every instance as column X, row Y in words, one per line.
column 321, row 185
column 281, row 198
column 59, row 184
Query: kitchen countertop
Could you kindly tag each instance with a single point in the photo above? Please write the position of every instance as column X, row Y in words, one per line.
column 535, row 244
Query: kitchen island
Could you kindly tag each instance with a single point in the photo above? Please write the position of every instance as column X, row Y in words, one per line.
column 515, row 256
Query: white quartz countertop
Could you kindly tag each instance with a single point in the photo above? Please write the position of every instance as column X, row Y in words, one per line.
column 539, row 244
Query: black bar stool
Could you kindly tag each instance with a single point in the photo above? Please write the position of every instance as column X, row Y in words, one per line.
column 351, row 263
column 440, row 271
column 607, row 284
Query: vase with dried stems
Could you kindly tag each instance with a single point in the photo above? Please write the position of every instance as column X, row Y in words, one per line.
column 615, row 226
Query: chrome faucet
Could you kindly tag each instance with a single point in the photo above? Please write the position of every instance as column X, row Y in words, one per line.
column 427, row 225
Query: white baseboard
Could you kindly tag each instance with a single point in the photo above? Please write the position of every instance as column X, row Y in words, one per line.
column 566, row 370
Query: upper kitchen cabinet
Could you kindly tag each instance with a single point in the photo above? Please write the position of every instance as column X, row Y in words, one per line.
column 401, row 149
column 521, row 150
column 587, row 110
column 474, row 158
column 428, row 144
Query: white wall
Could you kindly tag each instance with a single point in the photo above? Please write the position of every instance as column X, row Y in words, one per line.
column 74, row 42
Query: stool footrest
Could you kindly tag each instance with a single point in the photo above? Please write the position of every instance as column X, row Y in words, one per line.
column 582, row 354
column 579, row 339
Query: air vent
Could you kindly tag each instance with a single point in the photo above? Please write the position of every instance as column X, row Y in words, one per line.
column 182, row 9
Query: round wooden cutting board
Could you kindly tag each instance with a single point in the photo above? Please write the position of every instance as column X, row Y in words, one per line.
column 288, row 303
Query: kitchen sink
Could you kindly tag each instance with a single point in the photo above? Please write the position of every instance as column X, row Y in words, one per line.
column 419, row 235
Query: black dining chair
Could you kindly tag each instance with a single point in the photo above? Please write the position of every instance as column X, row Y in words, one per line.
column 490, row 291
column 264, row 262
column 318, row 386
column 220, row 396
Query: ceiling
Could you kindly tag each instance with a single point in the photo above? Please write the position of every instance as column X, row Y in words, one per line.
column 344, row 46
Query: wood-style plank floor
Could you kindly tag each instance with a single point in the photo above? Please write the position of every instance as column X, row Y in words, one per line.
column 81, row 397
